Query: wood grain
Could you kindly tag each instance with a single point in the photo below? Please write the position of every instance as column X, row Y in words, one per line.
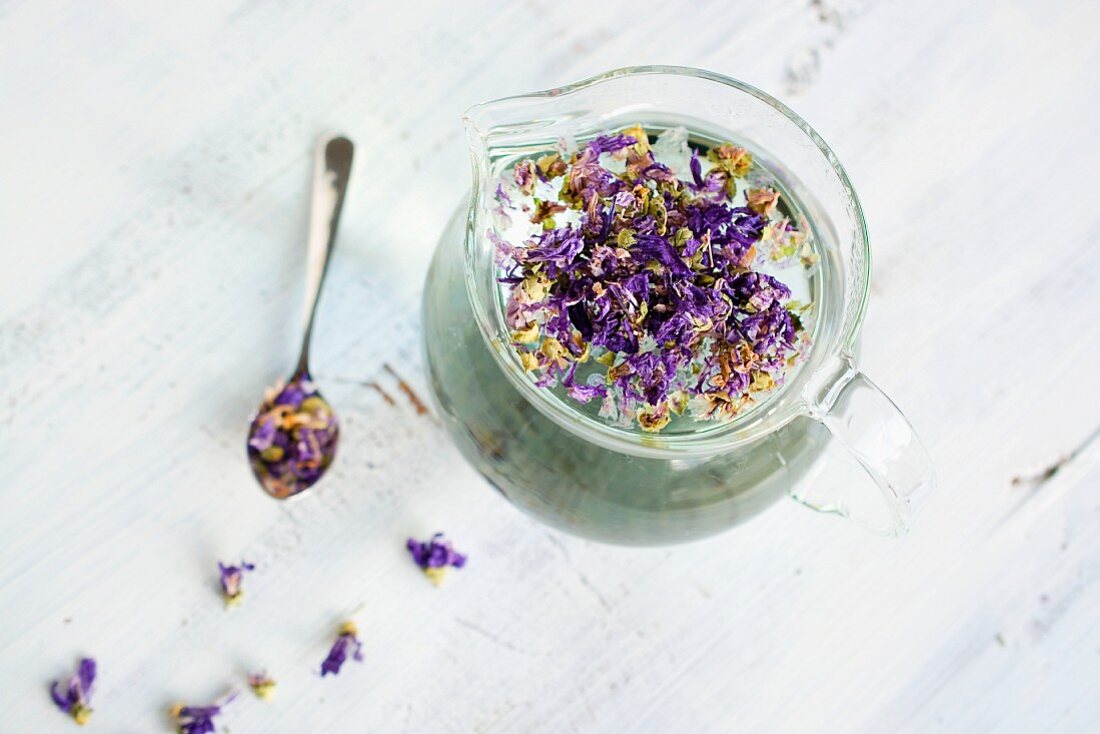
column 152, row 217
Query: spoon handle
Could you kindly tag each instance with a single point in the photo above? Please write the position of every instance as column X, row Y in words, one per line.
column 331, row 169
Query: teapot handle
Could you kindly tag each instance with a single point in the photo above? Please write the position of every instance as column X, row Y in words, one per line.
column 865, row 422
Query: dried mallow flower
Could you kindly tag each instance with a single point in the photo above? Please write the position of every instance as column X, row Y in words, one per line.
column 763, row 201
column 525, row 177
column 231, row 581
column 347, row 644
column 293, row 438
column 262, row 685
column 73, row 697
column 642, row 290
column 200, row 719
column 435, row 556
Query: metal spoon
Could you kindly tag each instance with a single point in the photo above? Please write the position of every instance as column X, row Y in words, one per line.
column 293, row 436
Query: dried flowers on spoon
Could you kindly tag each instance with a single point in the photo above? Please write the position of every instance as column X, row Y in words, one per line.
column 293, row 437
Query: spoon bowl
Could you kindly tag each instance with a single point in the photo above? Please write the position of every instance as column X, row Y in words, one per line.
column 293, row 438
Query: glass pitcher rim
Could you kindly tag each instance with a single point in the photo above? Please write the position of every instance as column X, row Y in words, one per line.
column 724, row 436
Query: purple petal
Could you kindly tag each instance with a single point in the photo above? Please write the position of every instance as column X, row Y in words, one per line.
column 696, row 168
column 346, row 642
column 86, row 675
column 435, row 553
column 60, row 699
column 611, row 143
column 264, row 435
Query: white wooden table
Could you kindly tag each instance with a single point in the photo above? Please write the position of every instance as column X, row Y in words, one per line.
column 153, row 178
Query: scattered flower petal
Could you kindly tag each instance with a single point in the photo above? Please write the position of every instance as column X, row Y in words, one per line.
column 435, row 556
column 73, row 698
column 200, row 719
column 347, row 642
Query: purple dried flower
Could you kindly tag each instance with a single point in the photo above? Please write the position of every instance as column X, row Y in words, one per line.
column 292, row 394
column 658, row 249
column 588, row 180
column 264, row 435
column 231, row 581
column 525, row 177
column 696, row 168
column 610, row 143
column 557, row 248
column 200, row 719
column 74, row 698
column 582, row 393
column 347, row 642
column 434, row 556
column 503, row 206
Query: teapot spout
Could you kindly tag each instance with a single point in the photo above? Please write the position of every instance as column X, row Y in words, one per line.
column 477, row 139
column 515, row 124
column 501, row 131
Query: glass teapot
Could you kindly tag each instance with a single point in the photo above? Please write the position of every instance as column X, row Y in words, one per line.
column 609, row 483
